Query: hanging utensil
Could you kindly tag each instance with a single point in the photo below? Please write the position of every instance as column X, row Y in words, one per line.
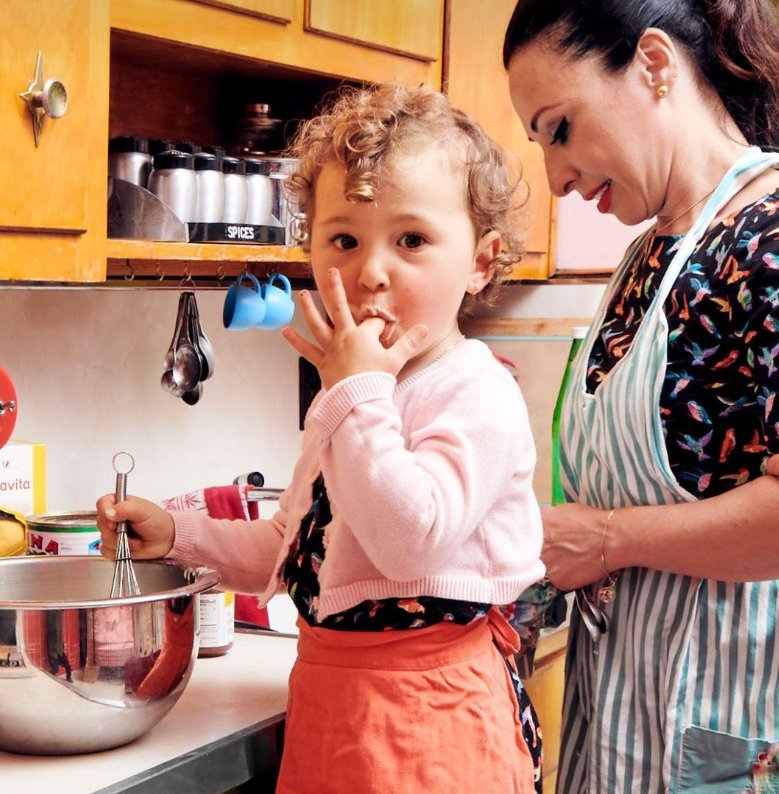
column 203, row 342
column 186, row 363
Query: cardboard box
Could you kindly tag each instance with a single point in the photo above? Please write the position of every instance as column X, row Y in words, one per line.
column 23, row 477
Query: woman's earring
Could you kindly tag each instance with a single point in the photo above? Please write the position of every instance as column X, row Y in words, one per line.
column 662, row 91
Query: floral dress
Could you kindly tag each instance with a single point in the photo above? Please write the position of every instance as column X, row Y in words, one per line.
column 718, row 403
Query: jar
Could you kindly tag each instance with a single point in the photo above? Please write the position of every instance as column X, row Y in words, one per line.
column 258, row 132
column 129, row 159
column 236, row 194
column 217, row 622
column 173, row 180
column 210, row 189
column 284, row 207
column 259, row 192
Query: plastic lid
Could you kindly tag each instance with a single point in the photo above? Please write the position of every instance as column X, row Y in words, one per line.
column 205, row 161
column 232, row 165
column 173, row 159
column 128, row 143
column 186, row 146
column 256, row 166
column 157, row 145
column 219, row 151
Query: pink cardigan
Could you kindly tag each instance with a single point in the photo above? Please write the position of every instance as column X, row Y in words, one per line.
column 430, row 488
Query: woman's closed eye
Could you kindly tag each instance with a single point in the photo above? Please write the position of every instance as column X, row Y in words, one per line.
column 345, row 242
column 561, row 131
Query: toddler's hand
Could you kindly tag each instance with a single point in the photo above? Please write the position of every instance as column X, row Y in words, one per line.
column 151, row 530
column 346, row 348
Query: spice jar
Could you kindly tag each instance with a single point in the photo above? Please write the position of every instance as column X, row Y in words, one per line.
column 210, row 188
column 236, row 194
column 173, row 180
column 260, row 192
column 129, row 159
column 217, row 622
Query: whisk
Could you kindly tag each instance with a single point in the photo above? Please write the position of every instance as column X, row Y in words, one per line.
column 124, row 582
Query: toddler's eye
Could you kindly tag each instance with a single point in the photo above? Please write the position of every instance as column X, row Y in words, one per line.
column 561, row 132
column 412, row 240
column 344, row 241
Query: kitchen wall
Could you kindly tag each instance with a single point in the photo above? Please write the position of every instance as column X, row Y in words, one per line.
column 87, row 363
column 87, row 367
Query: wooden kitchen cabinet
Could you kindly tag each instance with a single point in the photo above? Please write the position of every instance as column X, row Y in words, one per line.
column 182, row 70
column 405, row 27
column 52, row 205
column 476, row 81
column 545, row 688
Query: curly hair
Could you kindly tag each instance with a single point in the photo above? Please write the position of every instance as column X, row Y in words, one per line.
column 364, row 129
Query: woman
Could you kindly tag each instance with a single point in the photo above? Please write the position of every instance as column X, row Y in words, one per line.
column 655, row 108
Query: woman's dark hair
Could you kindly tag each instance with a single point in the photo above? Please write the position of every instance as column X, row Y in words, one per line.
column 733, row 43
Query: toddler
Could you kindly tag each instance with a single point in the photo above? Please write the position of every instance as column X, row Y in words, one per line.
column 410, row 516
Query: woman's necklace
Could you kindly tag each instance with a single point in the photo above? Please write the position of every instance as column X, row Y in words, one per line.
column 659, row 226
column 646, row 248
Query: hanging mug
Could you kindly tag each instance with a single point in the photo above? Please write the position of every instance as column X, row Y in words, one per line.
column 244, row 306
column 279, row 305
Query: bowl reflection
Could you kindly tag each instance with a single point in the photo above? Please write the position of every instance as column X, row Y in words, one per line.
column 80, row 672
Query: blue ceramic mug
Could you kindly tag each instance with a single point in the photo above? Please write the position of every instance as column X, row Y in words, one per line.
column 244, row 305
column 279, row 305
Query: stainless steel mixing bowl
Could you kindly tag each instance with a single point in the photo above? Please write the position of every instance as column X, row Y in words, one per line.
column 81, row 672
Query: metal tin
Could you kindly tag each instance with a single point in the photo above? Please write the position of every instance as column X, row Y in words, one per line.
column 63, row 534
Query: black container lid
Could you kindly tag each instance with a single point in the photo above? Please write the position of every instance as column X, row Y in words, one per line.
column 173, row 159
column 205, row 161
column 232, row 165
column 256, row 166
column 187, row 146
column 218, row 151
column 127, row 143
column 157, row 145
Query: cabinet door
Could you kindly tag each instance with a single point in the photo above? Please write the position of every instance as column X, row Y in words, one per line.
column 475, row 80
column 277, row 10
column 53, row 202
column 407, row 27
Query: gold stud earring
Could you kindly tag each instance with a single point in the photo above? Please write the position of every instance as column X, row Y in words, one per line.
column 662, row 91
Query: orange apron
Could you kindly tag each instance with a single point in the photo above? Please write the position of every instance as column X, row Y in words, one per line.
column 419, row 711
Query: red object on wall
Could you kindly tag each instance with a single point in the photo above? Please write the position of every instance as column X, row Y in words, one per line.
column 9, row 407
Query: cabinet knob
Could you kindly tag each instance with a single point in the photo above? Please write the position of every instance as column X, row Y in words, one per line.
column 49, row 98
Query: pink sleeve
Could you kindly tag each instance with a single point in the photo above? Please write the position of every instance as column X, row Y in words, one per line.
column 243, row 552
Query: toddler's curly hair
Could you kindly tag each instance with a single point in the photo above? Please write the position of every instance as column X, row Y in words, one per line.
column 366, row 128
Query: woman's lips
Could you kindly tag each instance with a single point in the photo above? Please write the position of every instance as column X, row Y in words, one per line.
column 602, row 195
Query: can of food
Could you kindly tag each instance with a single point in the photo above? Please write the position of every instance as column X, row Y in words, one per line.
column 63, row 534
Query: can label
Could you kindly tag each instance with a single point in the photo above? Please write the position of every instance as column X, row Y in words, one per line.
column 217, row 619
column 85, row 542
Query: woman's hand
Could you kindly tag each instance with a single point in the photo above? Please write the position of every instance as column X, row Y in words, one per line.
column 346, row 348
column 573, row 544
column 151, row 530
column 772, row 466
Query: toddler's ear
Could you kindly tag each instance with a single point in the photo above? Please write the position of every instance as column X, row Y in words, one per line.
column 487, row 250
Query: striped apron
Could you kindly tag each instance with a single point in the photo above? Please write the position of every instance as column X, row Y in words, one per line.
column 681, row 692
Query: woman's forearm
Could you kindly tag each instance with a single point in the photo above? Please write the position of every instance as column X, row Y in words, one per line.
column 731, row 537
